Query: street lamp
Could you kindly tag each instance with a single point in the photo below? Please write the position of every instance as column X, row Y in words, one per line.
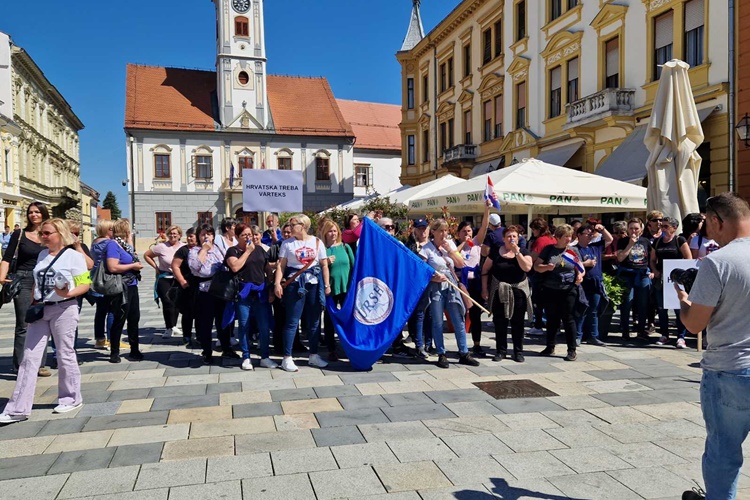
column 743, row 130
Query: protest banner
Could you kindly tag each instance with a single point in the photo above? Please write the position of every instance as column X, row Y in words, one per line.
column 271, row 190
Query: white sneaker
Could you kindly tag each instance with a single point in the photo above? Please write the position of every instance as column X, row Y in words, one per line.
column 663, row 340
column 536, row 332
column 167, row 334
column 9, row 419
column 317, row 361
column 176, row 331
column 247, row 364
column 268, row 363
column 66, row 408
column 287, row 364
column 681, row 344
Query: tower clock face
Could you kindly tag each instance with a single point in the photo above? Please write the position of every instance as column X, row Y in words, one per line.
column 241, row 6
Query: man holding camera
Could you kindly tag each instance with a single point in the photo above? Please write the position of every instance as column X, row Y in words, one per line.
column 718, row 300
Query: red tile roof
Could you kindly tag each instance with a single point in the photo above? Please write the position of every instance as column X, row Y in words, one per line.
column 181, row 99
column 375, row 125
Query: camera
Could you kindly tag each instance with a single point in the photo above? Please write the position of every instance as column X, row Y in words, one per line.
column 684, row 277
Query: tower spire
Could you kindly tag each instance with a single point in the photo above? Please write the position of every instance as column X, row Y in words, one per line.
column 415, row 33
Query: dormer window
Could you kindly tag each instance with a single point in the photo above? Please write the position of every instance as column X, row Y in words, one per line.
column 241, row 26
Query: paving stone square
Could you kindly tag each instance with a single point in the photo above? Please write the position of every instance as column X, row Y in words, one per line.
column 346, row 483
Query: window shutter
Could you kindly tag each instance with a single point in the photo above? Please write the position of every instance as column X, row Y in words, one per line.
column 693, row 14
column 663, row 30
column 521, row 89
column 499, row 109
column 613, row 57
column 555, row 77
column 573, row 69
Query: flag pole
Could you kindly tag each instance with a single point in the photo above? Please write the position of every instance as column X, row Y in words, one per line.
column 468, row 297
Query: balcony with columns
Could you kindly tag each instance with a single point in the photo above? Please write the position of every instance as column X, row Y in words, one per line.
column 602, row 104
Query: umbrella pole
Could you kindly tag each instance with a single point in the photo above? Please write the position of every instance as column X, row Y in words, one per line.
column 469, row 297
column 529, row 213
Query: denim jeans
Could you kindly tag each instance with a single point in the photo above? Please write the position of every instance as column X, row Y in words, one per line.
column 416, row 321
column 637, row 287
column 299, row 302
column 249, row 309
column 588, row 324
column 440, row 301
column 725, row 401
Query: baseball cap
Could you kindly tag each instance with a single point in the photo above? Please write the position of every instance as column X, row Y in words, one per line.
column 495, row 220
column 421, row 223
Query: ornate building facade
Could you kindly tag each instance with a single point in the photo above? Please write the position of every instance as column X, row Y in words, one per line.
column 569, row 82
column 39, row 136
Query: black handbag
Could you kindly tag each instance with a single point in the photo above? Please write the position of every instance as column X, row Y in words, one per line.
column 10, row 290
column 35, row 312
column 225, row 285
column 104, row 282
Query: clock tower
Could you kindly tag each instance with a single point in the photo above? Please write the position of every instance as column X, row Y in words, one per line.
column 241, row 64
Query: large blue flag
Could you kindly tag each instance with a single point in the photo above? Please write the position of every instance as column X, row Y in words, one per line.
column 388, row 281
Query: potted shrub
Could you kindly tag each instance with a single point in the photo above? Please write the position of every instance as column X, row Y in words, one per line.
column 614, row 290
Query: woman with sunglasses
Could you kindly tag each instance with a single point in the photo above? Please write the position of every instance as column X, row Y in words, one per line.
column 669, row 246
column 165, row 252
column 60, row 277
column 25, row 246
column 634, row 258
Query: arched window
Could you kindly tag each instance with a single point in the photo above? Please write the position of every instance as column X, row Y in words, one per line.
column 284, row 159
column 203, row 163
column 322, row 165
column 162, row 161
column 241, row 26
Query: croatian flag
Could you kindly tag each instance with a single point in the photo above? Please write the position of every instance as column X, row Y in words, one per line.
column 231, row 174
column 571, row 257
column 489, row 194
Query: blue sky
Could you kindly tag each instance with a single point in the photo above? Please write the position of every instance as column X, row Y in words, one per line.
column 83, row 46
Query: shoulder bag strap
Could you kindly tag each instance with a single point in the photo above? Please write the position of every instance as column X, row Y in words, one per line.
column 44, row 273
column 14, row 261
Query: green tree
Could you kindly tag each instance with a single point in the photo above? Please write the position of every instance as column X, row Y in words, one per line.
column 110, row 203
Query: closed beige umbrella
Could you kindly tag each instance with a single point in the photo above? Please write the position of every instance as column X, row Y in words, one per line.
column 672, row 138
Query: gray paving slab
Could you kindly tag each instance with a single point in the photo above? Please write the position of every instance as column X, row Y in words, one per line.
column 473, row 408
column 181, row 402
column 362, row 402
column 75, row 461
column 351, row 417
column 168, row 474
column 688, row 394
column 364, row 378
column 645, row 455
column 178, row 391
column 239, row 467
column 464, row 492
column 488, row 371
column 30, row 466
column 86, row 388
column 623, row 374
column 187, row 369
column 99, row 482
column 458, row 396
column 475, row 445
column 293, row 394
column 597, row 485
column 337, row 436
column 418, row 450
column 630, row 398
column 256, row 410
column 290, row 487
column 525, row 405
column 222, row 388
column 407, row 398
column 592, row 459
column 415, row 476
column 529, row 440
column 667, row 382
column 363, row 455
column 95, row 397
column 635, row 432
column 20, row 431
column 273, row 441
column 227, row 490
column 137, row 454
column 417, row 412
column 395, row 430
column 125, row 394
column 336, row 391
column 63, row 426
column 302, row 460
column 346, row 483
column 535, row 464
column 536, row 367
column 98, row 409
column 652, row 482
column 473, row 470
column 127, row 420
column 33, row 487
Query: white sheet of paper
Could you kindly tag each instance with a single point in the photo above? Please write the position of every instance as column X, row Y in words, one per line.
column 670, row 295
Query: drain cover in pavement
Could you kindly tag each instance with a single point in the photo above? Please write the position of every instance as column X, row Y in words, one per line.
column 511, row 389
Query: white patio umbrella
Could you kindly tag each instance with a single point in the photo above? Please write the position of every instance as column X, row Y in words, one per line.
column 672, row 138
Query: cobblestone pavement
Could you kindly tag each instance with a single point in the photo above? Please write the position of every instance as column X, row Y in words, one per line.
column 625, row 424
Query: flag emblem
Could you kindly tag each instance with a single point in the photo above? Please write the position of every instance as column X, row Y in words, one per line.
column 489, row 193
column 571, row 257
column 373, row 302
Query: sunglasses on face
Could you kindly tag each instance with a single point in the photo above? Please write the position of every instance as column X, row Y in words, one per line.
column 388, row 227
column 47, row 233
column 709, row 206
column 655, row 220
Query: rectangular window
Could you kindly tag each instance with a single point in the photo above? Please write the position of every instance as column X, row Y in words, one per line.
column 284, row 163
column 443, row 136
column 411, row 155
column 573, row 80
column 555, row 9
column 410, row 93
column 521, row 105
column 555, row 91
column 425, row 146
column 498, row 38
column 205, row 218
column 663, row 38
column 362, row 175
column 694, row 32
column 425, row 88
column 451, row 127
column 322, row 172
column 467, row 127
column 612, row 62
column 498, row 116
column 467, row 60
column 572, row 3
column 241, row 26
column 443, row 78
column 450, row 73
column 161, row 167
column 244, row 162
column 487, row 46
column 203, row 167
column 521, row 20
column 487, row 120
column 163, row 221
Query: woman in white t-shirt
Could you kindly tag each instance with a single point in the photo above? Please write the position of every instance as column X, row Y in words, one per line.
column 60, row 276
column 701, row 245
column 303, row 268
column 442, row 255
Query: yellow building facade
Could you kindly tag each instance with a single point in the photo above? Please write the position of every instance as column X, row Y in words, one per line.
column 570, row 82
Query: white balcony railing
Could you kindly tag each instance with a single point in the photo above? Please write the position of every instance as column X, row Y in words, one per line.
column 606, row 102
column 460, row 152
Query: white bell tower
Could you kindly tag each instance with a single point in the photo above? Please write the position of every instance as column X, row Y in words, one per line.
column 241, row 64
